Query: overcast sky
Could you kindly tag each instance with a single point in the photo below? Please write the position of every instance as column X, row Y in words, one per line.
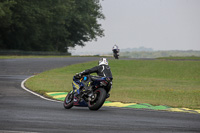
column 157, row 24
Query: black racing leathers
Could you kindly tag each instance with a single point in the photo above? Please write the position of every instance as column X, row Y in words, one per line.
column 102, row 70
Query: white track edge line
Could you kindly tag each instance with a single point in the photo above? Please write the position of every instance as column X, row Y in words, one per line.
column 22, row 85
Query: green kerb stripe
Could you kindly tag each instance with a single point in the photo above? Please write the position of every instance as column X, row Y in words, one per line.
column 148, row 106
column 62, row 98
column 55, row 94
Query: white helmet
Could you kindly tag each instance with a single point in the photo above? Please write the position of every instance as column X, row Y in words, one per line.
column 103, row 61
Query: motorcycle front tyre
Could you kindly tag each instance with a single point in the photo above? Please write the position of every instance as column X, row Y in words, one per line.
column 68, row 102
column 99, row 100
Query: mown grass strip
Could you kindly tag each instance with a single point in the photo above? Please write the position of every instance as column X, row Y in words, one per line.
column 157, row 82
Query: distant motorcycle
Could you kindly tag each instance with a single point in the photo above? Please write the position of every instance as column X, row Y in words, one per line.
column 88, row 91
column 116, row 53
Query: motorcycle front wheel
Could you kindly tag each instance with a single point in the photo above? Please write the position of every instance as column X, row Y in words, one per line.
column 68, row 102
column 98, row 101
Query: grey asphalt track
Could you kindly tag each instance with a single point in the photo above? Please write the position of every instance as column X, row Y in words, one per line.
column 21, row 111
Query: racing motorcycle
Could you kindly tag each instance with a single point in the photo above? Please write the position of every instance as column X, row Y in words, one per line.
column 88, row 91
column 116, row 53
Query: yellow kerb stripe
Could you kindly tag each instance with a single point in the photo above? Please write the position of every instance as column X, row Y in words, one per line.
column 49, row 93
column 118, row 104
column 59, row 96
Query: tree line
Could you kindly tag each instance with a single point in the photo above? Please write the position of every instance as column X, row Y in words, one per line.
column 48, row 25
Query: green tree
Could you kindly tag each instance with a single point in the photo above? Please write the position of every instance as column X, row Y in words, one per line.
column 5, row 19
column 83, row 25
column 48, row 25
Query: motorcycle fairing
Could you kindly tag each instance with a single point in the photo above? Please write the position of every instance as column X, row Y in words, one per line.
column 96, row 82
column 76, row 89
column 78, row 102
column 77, row 86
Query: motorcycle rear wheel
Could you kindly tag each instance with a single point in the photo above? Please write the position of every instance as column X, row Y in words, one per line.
column 68, row 102
column 100, row 97
column 116, row 56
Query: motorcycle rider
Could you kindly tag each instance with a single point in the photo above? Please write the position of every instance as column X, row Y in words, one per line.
column 115, row 49
column 102, row 70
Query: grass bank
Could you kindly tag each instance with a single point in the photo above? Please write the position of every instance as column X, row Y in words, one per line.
column 158, row 82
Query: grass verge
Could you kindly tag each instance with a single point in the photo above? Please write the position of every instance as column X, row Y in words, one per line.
column 158, row 82
column 181, row 58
